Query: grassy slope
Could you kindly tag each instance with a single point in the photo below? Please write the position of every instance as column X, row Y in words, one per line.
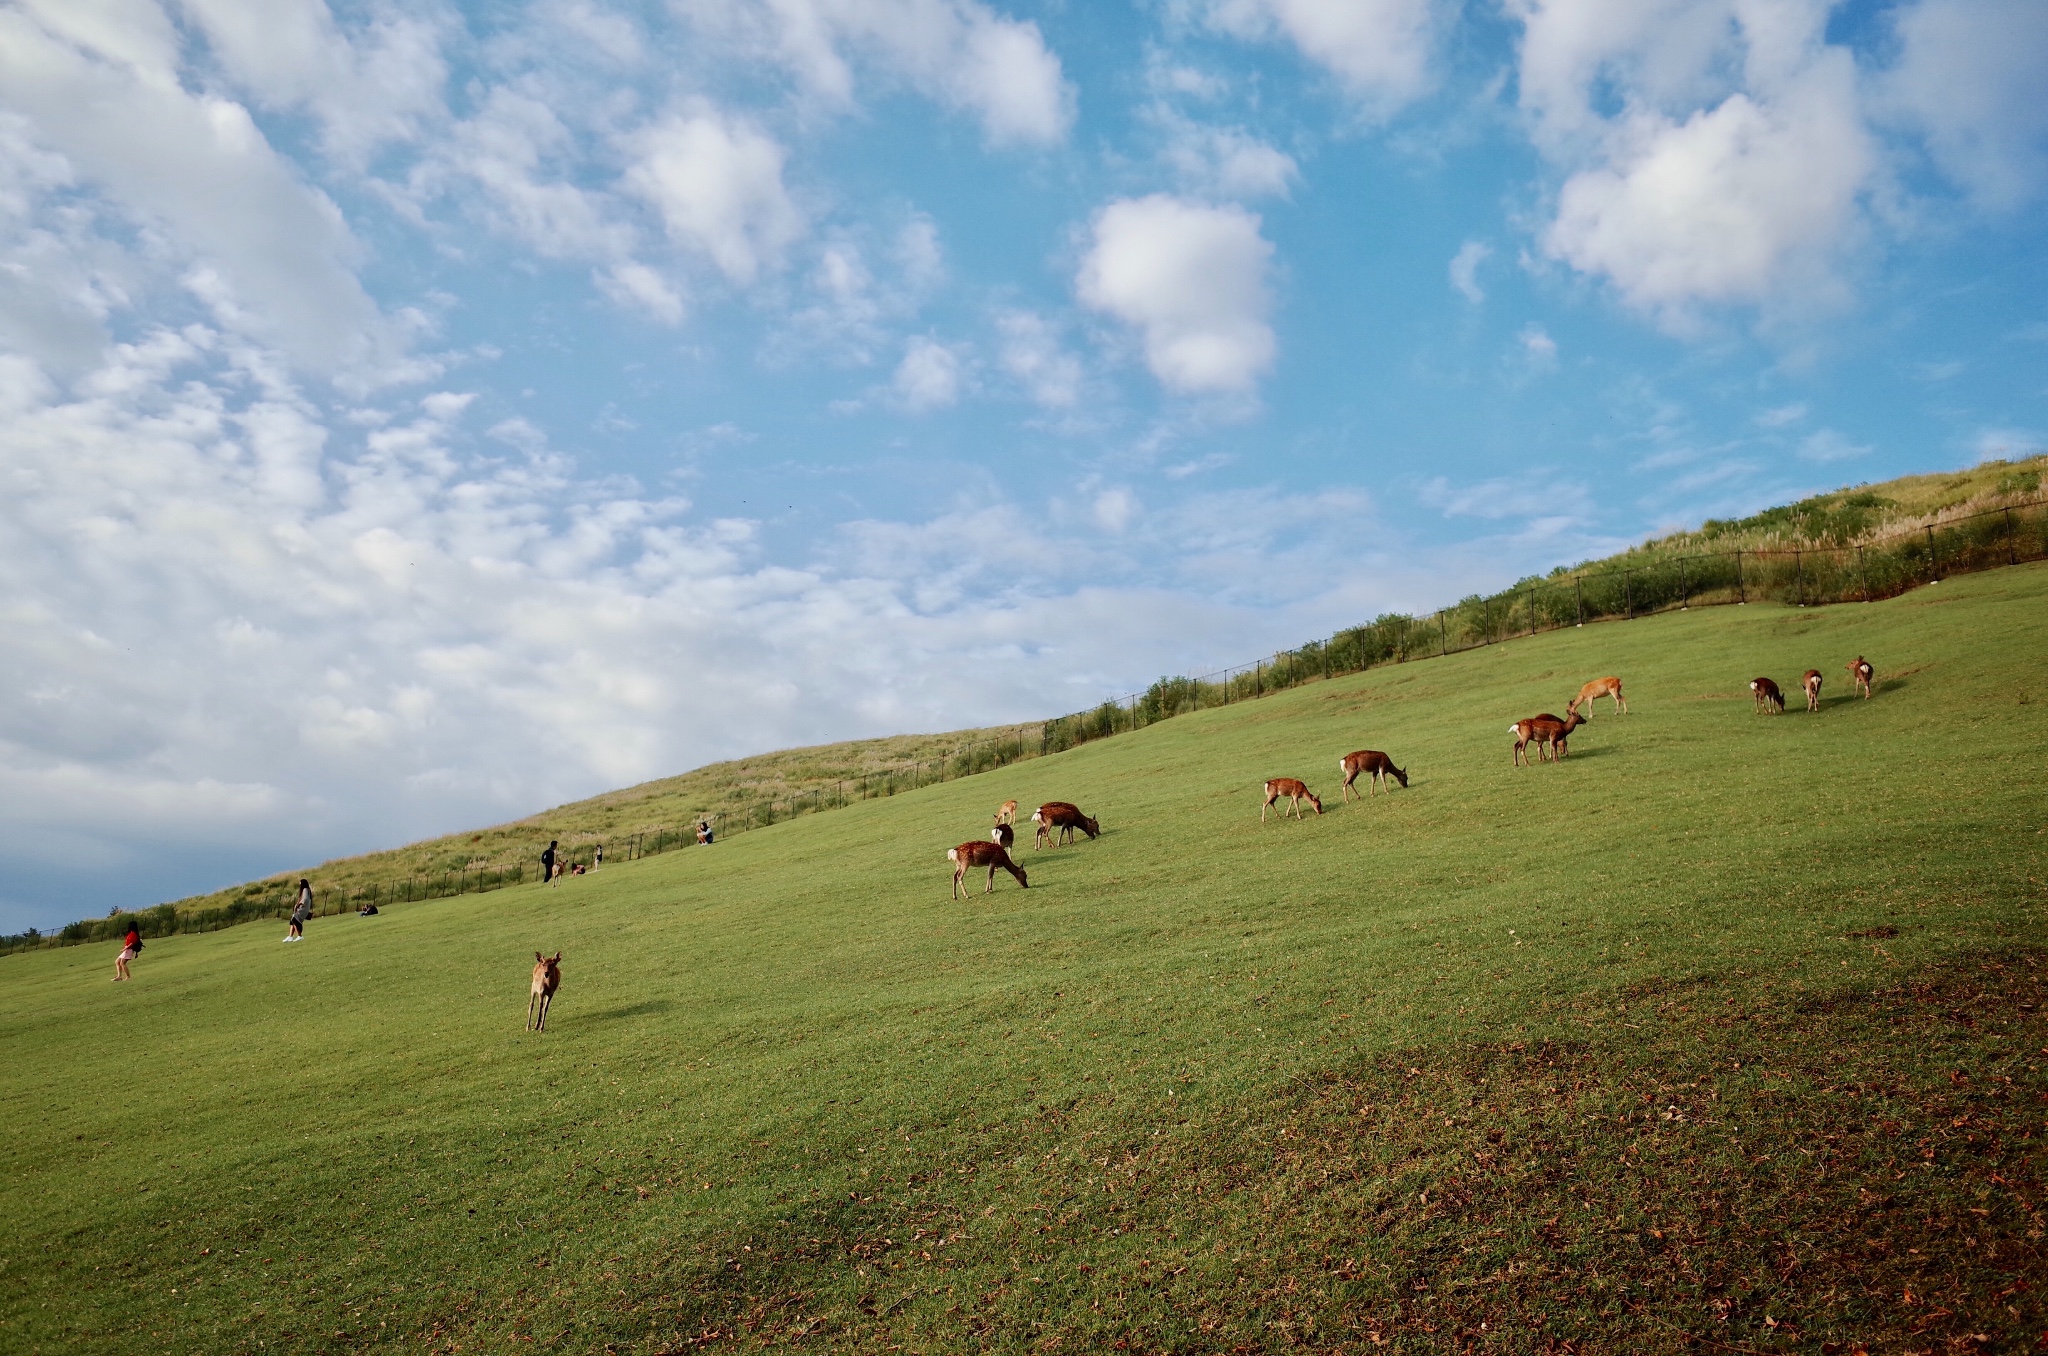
column 1581, row 1052
column 671, row 803
column 728, row 787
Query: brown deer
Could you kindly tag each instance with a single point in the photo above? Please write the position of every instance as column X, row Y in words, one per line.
column 1548, row 731
column 979, row 853
column 1370, row 761
column 1768, row 698
column 1812, row 684
column 1861, row 673
column 1003, row 834
column 1057, row 820
column 1594, row 691
column 1295, row 792
column 547, row 977
column 1006, row 813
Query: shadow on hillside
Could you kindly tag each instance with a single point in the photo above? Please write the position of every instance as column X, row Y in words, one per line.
column 647, row 1009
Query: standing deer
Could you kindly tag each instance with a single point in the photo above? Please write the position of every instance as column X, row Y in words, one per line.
column 1006, row 813
column 1812, row 683
column 1003, row 835
column 1548, row 731
column 1370, row 761
column 1768, row 698
column 1059, row 815
column 979, row 853
column 1295, row 792
column 547, row 977
column 1861, row 673
column 1594, row 691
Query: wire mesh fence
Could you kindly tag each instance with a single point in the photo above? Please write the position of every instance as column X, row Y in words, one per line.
column 1802, row 575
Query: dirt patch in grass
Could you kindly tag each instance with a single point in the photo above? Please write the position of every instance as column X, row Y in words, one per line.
column 1690, row 1169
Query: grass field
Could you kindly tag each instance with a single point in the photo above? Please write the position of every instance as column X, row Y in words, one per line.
column 1727, row 1033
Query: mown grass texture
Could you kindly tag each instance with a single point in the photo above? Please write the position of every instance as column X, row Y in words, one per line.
column 1725, row 1033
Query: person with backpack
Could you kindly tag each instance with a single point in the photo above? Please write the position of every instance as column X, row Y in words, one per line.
column 301, row 911
column 131, row 946
column 547, row 861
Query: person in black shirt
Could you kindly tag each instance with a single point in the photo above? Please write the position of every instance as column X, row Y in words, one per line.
column 547, row 861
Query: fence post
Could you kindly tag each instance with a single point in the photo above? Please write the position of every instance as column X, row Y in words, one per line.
column 1932, row 571
column 1863, row 570
column 1532, row 611
column 2012, row 556
column 1579, row 587
column 1799, row 573
column 1684, row 589
column 1628, row 593
column 1258, row 677
column 1443, row 645
column 1740, row 595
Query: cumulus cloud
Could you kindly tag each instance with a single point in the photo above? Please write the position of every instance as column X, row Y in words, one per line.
column 379, row 84
column 1226, row 162
column 1032, row 353
column 958, row 52
column 275, row 256
column 1969, row 78
column 1465, row 270
column 1379, row 49
column 717, row 184
column 929, row 377
column 1731, row 166
column 1192, row 279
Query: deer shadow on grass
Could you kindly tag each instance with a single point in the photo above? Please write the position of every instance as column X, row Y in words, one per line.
column 648, row 1008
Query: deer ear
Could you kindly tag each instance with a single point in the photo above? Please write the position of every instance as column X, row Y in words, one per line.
column 538, row 957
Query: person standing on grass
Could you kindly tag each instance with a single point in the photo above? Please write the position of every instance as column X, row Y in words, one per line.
column 301, row 911
column 597, row 857
column 547, row 861
column 130, row 944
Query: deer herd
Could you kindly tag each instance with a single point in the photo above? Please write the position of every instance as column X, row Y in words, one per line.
column 1056, row 820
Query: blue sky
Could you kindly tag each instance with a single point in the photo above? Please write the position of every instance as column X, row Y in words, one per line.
column 416, row 414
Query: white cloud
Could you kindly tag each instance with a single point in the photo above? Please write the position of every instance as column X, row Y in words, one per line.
column 956, row 51
column 1379, row 49
column 1731, row 168
column 1537, row 346
column 382, row 84
column 1465, row 269
column 717, row 183
column 1227, row 161
column 1969, row 78
column 1114, row 509
column 1825, row 445
column 1782, row 416
column 1031, row 352
column 522, row 155
column 929, row 377
column 1192, row 279
column 105, row 94
column 635, row 285
column 2009, row 444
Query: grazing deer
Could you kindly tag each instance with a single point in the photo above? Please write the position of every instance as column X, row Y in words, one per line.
column 1370, row 761
column 547, row 977
column 1594, row 691
column 978, row 853
column 1768, row 698
column 1003, row 834
column 1549, row 733
column 1861, row 672
column 1065, row 818
column 1295, row 792
column 1006, row 813
column 1812, row 684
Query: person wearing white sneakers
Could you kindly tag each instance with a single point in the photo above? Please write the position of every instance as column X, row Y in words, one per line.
column 301, row 911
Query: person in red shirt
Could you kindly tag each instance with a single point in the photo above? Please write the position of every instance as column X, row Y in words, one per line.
column 130, row 944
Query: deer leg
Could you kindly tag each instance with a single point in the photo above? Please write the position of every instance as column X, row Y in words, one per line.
column 531, row 999
column 990, row 888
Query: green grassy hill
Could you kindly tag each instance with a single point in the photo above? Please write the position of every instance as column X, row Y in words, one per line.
column 736, row 791
column 1728, row 1032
